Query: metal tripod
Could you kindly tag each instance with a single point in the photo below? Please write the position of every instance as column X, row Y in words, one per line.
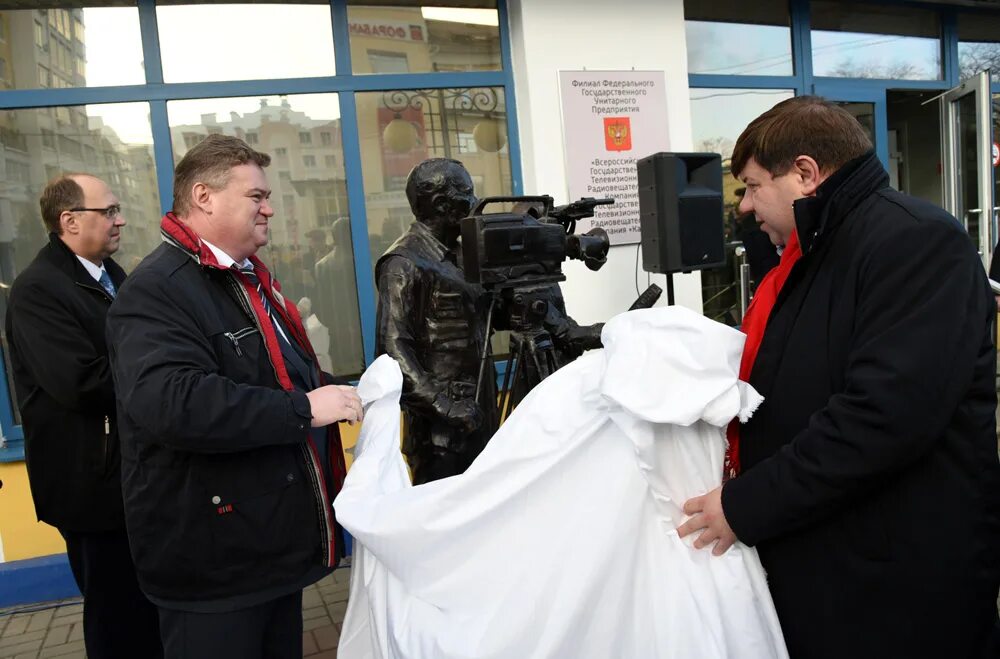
column 532, row 356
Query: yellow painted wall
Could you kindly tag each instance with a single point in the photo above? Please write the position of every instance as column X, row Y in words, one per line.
column 23, row 536
column 348, row 438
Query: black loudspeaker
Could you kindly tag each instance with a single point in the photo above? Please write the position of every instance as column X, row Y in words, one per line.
column 680, row 212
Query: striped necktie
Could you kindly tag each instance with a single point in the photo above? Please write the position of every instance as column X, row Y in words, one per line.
column 255, row 281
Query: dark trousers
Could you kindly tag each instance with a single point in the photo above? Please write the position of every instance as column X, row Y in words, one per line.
column 118, row 621
column 272, row 630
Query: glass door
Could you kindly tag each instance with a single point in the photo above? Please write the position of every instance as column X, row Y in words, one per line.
column 967, row 160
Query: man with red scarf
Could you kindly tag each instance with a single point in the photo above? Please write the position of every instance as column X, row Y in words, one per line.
column 868, row 480
column 230, row 451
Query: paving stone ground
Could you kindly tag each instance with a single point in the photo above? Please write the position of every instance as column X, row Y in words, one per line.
column 55, row 629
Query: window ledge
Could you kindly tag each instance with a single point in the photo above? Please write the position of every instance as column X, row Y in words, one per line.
column 12, row 450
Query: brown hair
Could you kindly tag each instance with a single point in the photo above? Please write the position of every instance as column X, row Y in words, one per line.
column 61, row 194
column 210, row 162
column 801, row 126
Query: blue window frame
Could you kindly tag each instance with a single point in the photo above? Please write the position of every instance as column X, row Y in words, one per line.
column 804, row 82
column 157, row 93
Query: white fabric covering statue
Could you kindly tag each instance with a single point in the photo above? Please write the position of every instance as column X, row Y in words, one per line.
column 560, row 540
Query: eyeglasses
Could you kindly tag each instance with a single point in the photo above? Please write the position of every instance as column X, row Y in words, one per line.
column 111, row 212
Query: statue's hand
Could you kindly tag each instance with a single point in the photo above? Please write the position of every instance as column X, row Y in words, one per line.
column 465, row 414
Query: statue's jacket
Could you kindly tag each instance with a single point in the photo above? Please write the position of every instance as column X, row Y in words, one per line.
column 433, row 323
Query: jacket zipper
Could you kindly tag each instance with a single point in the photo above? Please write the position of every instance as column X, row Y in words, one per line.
column 104, row 443
column 244, row 299
column 107, row 421
column 324, row 507
column 95, row 288
column 234, row 338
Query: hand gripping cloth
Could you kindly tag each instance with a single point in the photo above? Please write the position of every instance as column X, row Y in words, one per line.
column 560, row 540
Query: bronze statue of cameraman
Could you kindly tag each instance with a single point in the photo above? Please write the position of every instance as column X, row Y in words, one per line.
column 434, row 323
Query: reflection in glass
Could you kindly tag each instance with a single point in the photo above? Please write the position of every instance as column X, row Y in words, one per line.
column 112, row 142
column 738, row 38
column 399, row 129
column 310, row 249
column 61, row 48
column 979, row 45
column 871, row 41
column 200, row 43
column 718, row 116
column 423, row 39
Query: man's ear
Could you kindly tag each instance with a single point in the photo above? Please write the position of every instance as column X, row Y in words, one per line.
column 201, row 196
column 68, row 223
column 809, row 174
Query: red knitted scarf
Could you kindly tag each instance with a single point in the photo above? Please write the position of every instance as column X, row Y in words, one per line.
column 754, row 324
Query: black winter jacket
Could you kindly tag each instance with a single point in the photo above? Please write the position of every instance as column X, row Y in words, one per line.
column 55, row 329
column 871, row 484
column 224, row 493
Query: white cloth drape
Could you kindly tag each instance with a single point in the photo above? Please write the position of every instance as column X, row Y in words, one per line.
column 560, row 540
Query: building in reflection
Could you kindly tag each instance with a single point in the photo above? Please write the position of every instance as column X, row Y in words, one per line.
column 37, row 145
column 306, row 173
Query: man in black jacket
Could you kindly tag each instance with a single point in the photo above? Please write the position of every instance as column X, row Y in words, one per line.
column 230, row 452
column 55, row 326
column 870, row 479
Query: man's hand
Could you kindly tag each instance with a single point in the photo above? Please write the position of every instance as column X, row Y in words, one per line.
column 706, row 513
column 333, row 403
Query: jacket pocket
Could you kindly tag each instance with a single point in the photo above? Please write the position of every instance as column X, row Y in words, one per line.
column 241, row 355
column 261, row 523
column 237, row 336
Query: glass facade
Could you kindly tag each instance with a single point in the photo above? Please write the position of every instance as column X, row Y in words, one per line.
column 400, row 128
column 288, row 41
column 872, row 41
column 738, row 38
column 979, row 45
column 423, row 39
column 73, row 47
column 273, row 77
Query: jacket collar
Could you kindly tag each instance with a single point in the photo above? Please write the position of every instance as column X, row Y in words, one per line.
column 183, row 237
column 837, row 196
column 60, row 255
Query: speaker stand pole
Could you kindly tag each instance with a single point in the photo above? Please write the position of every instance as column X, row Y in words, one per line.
column 670, row 289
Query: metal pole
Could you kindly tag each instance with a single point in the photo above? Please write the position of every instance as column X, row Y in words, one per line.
column 741, row 255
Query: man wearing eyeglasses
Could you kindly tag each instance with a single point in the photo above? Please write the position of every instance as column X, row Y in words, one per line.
column 62, row 376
